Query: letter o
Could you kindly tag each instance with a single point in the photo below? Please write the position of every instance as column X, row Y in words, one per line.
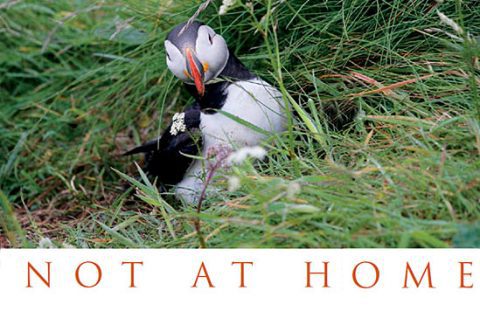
column 354, row 274
column 99, row 274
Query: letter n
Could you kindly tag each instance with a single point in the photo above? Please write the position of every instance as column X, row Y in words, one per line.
column 31, row 268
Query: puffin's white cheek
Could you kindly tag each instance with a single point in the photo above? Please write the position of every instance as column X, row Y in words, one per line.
column 212, row 51
column 178, row 69
column 216, row 59
column 175, row 61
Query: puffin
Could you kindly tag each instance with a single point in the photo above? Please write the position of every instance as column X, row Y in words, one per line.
column 233, row 108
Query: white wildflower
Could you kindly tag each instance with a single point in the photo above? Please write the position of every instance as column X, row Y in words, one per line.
column 293, row 190
column 233, row 183
column 178, row 124
column 226, row 4
column 240, row 155
column 450, row 22
column 45, row 243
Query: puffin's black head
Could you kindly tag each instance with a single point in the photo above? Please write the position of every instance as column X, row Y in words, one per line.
column 196, row 56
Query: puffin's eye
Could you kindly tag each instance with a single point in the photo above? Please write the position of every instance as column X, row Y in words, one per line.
column 210, row 38
column 168, row 56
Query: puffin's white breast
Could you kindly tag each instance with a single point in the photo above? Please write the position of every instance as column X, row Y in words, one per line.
column 254, row 101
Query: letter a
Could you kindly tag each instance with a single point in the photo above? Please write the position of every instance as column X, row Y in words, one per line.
column 205, row 275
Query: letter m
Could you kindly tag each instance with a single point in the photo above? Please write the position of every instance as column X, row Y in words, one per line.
column 416, row 281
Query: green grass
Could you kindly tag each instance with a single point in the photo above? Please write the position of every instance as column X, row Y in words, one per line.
column 83, row 81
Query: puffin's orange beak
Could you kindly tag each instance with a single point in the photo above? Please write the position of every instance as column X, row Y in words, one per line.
column 195, row 69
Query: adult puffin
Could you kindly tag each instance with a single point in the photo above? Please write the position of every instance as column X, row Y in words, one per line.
column 222, row 87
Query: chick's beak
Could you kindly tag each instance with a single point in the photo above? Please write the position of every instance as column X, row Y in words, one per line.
column 195, row 69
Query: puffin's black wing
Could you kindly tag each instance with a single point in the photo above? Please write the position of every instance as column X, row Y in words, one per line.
column 168, row 157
